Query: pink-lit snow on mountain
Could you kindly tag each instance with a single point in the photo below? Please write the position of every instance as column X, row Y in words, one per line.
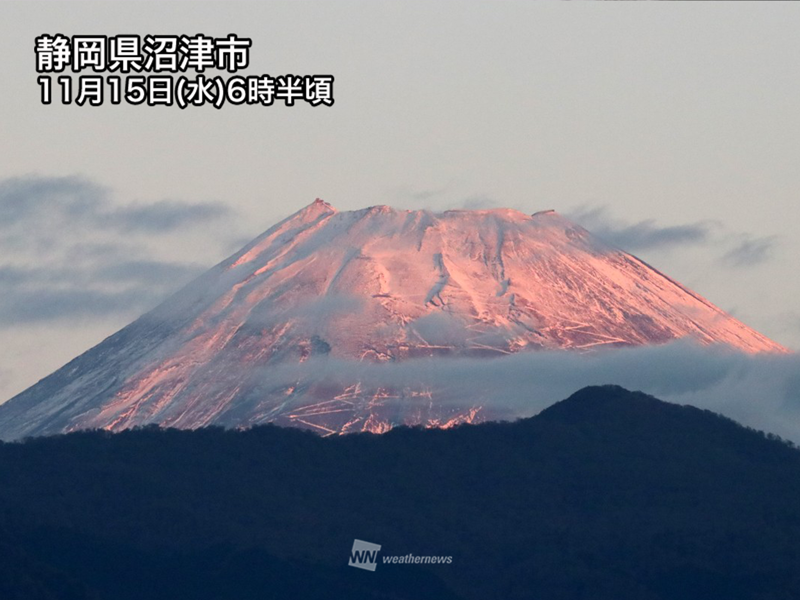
column 377, row 284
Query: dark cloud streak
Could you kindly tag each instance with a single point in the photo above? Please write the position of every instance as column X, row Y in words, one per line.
column 750, row 252
column 77, row 202
column 644, row 235
column 51, row 304
column 163, row 216
column 27, row 198
column 70, row 251
column 48, row 294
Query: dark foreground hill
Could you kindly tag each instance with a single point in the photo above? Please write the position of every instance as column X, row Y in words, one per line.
column 609, row 494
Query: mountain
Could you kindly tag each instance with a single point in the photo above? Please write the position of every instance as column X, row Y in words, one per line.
column 609, row 494
column 236, row 346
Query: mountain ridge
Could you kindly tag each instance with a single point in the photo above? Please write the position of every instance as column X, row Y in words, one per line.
column 377, row 285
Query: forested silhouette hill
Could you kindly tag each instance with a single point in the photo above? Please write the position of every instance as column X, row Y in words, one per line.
column 608, row 494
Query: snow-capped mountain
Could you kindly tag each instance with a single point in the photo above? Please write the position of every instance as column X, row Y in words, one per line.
column 377, row 285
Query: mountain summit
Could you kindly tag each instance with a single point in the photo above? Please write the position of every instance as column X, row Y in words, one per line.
column 376, row 284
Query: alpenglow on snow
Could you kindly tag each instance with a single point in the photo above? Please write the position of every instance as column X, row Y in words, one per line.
column 244, row 343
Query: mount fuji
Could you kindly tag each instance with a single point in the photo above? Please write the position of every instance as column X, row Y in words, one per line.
column 376, row 285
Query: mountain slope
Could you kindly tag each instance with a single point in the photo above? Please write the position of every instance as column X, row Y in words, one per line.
column 607, row 495
column 371, row 285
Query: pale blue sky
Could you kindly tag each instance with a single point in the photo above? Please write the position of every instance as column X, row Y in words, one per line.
column 670, row 127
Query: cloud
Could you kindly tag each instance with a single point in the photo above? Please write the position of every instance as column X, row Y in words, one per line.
column 162, row 216
column 644, row 235
column 96, row 288
column 427, row 194
column 58, row 202
column 760, row 391
column 478, row 202
column 750, row 252
column 739, row 250
column 406, row 193
column 29, row 198
column 49, row 304
column 147, row 272
column 69, row 250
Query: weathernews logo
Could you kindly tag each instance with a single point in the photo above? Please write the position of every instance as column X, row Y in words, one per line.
column 364, row 555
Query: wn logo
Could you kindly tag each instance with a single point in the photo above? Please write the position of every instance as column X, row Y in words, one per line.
column 364, row 555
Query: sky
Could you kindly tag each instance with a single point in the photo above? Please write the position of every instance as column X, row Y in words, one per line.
column 670, row 129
